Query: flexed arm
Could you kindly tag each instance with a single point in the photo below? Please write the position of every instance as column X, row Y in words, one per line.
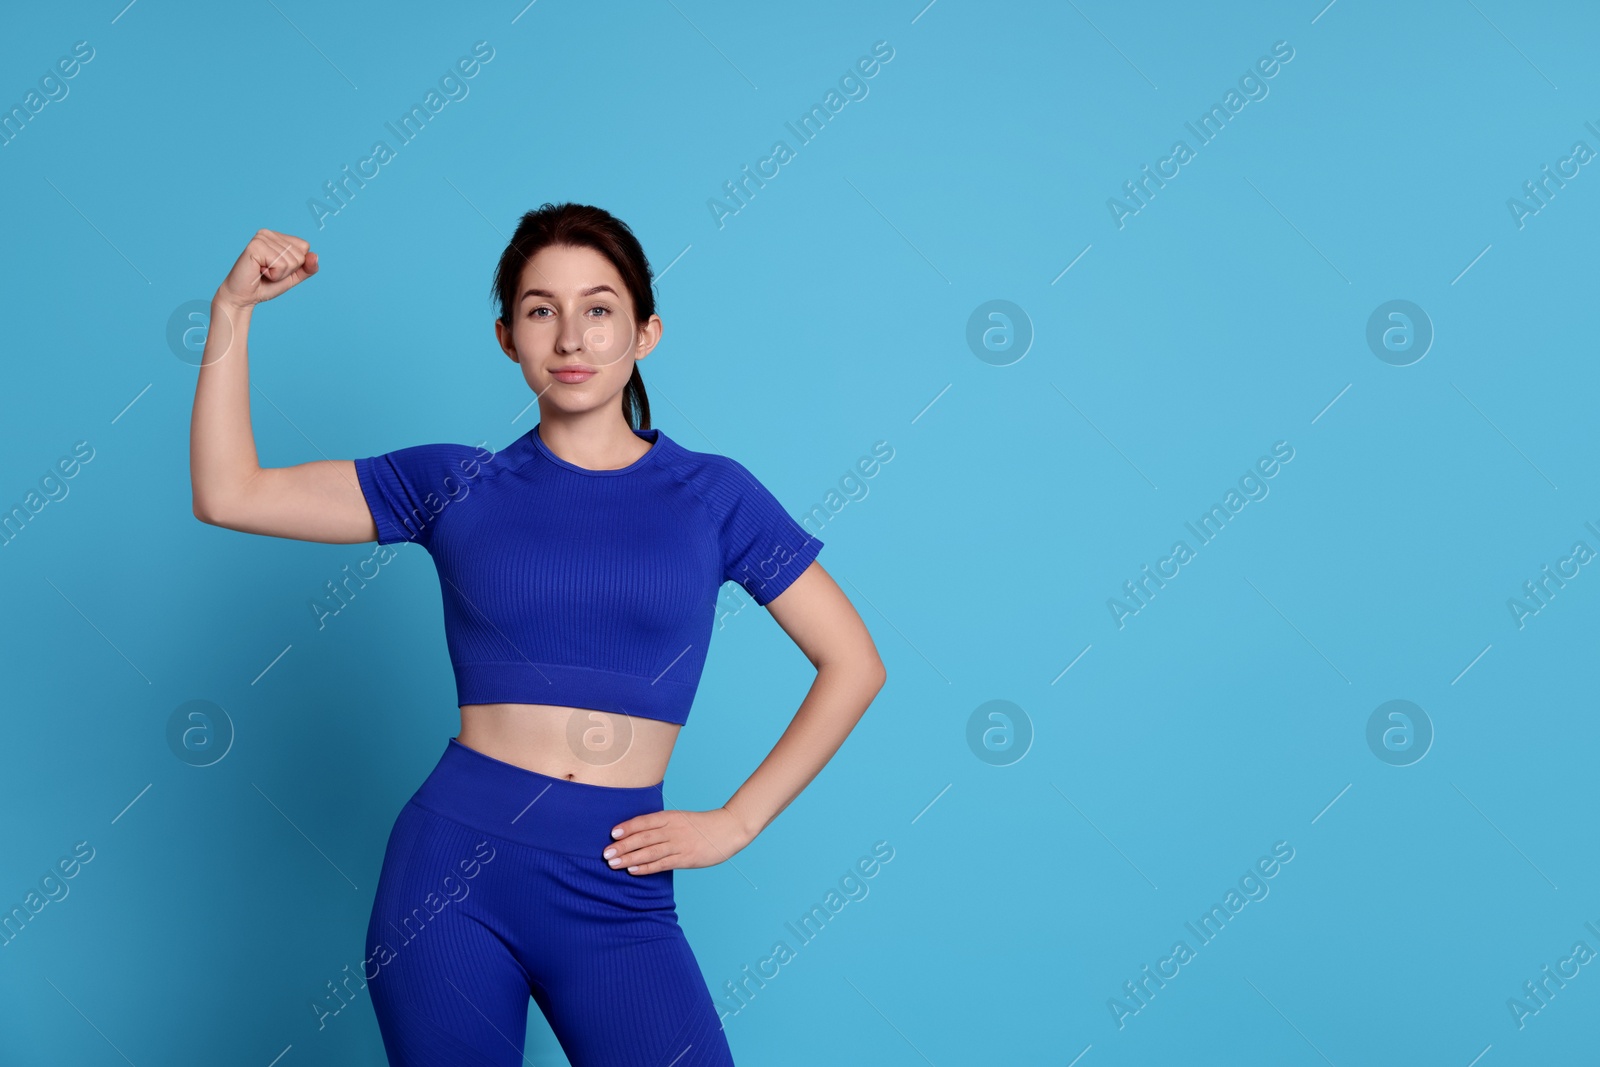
column 317, row 501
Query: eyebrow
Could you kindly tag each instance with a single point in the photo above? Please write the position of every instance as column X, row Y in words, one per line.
column 601, row 288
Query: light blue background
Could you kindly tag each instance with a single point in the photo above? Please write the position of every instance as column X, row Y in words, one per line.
column 831, row 312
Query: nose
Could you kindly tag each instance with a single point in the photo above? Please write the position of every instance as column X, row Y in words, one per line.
column 571, row 337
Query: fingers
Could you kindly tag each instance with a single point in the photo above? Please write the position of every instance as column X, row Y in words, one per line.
column 282, row 260
column 270, row 263
column 652, row 821
column 626, row 850
column 645, row 858
column 645, row 839
column 279, row 254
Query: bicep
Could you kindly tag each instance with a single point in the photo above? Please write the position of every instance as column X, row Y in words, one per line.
column 316, row 501
column 821, row 620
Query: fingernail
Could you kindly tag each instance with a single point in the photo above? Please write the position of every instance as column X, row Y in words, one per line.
column 616, row 831
column 609, row 853
column 615, row 862
column 632, row 869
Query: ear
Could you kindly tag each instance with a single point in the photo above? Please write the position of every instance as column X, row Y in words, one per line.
column 649, row 335
column 503, row 338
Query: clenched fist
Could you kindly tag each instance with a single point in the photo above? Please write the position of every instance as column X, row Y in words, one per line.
column 270, row 264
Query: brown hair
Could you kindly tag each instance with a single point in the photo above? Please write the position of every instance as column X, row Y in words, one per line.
column 582, row 226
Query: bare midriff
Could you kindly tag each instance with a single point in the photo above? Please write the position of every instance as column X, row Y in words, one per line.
column 576, row 744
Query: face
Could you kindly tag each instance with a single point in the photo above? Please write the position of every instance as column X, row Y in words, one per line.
column 573, row 311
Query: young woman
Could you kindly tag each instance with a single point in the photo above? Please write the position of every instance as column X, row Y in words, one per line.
column 580, row 567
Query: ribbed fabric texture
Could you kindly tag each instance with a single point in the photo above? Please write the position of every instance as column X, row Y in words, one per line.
column 584, row 588
column 493, row 890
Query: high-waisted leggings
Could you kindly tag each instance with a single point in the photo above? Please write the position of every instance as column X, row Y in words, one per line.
column 493, row 890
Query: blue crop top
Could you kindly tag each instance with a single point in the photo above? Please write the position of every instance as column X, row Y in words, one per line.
column 578, row 587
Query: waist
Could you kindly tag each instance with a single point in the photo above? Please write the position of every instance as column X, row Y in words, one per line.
column 527, row 807
column 574, row 744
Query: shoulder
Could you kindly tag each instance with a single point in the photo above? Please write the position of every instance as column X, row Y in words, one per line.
column 408, row 487
column 417, row 472
column 436, row 458
column 719, row 480
column 735, row 497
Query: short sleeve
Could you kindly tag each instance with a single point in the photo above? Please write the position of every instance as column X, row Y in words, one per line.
column 407, row 489
column 763, row 548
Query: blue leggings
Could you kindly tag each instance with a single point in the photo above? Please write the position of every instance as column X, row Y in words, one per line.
column 494, row 890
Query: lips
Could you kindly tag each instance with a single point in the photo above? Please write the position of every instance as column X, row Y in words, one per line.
column 573, row 374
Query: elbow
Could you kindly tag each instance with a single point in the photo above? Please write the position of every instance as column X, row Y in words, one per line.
column 214, row 504
column 204, row 509
column 865, row 674
column 875, row 675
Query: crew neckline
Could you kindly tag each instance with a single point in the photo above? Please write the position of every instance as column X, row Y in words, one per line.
column 653, row 435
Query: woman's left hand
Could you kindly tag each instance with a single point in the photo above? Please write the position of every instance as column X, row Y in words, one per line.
column 663, row 840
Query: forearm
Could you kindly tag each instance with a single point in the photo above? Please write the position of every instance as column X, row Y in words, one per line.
column 222, row 447
column 834, row 704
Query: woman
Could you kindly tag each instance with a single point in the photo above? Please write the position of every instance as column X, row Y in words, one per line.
column 579, row 567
